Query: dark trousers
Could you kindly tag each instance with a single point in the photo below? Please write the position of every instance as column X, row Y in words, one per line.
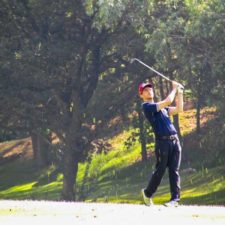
column 168, row 155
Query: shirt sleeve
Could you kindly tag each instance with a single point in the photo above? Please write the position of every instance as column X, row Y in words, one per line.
column 150, row 107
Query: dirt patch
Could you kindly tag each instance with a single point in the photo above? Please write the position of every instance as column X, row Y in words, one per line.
column 13, row 150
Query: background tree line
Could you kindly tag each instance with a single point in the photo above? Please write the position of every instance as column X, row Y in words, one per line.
column 65, row 68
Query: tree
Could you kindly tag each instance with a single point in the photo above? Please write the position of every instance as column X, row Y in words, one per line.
column 203, row 48
column 56, row 55
column 184, row 37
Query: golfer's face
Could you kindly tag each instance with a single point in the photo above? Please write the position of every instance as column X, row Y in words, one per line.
column 148, row 93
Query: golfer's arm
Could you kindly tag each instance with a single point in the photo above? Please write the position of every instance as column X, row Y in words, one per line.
column 166, row 102
column 179, row 104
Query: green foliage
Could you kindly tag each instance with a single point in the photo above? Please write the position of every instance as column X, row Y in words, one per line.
column 184, row 37
column 135, row 138
column 54, row 54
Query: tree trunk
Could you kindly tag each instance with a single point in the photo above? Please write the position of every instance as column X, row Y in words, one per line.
column 176, row 124
column 69, row 176
column 40, row 149
column 73, row 152
column 161, row 88
column 82, row 194
column 199, row 104
column 198, row 114
column 34, row 140
column 142, row 135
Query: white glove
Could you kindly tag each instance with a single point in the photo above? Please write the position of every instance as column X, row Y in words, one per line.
column 180, row 88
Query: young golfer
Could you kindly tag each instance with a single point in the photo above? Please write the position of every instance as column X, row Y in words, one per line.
column 167, row 144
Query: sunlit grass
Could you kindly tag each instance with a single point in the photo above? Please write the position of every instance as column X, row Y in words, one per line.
column 117, row 141
column 18, row 188
column 187, row 119
column 30, row 191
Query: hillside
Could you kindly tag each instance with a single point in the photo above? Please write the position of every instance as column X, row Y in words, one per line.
column 118, row 175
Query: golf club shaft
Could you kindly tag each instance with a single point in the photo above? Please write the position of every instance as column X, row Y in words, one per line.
column 132, row 60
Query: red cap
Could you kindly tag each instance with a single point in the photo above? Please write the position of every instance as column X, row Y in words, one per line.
column 142, row 86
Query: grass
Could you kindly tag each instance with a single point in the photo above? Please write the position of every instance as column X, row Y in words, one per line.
column 116, row 176
column 204, row 187
column 21, row 180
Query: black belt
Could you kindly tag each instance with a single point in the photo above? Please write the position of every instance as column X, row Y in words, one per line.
column 171, row 137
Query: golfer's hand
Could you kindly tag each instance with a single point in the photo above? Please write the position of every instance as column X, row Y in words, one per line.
column 181, row 86
column 175, row 85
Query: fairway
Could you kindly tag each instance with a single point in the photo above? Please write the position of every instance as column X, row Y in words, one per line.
column 43, row 212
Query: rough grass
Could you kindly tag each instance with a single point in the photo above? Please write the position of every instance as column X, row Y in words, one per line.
column 204, row 187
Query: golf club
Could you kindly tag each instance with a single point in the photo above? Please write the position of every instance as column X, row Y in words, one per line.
column 160, row 74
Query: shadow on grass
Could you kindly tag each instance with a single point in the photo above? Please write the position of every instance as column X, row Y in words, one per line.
column 213, row 198
column 48, row 177
column 22, row 180
column 17, row 173
column 205, row 149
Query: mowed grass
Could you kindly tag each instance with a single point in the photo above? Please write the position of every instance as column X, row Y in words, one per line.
column 116, row 176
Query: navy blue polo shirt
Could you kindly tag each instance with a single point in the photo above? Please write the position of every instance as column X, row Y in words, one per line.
column 159, row 120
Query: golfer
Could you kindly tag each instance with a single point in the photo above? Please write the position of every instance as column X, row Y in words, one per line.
column 167, row 144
